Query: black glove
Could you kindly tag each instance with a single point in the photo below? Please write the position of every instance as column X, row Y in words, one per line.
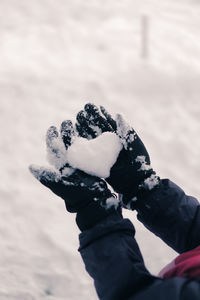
column 86, row 195
column 132, row 171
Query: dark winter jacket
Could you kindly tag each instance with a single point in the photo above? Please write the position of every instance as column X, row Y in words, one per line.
column 113, row 259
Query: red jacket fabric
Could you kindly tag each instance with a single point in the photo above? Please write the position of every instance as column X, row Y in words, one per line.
column 185, row 265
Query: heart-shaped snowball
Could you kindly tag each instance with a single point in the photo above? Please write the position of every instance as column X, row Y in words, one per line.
column 97, row 156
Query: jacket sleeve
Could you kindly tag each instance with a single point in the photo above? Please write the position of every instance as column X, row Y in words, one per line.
column 172, row 215
column 112, row 258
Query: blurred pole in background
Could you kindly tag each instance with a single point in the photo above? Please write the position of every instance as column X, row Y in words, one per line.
column 144, row 36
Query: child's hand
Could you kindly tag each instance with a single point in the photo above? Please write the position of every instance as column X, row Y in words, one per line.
column 78, row 189
column 132, row 170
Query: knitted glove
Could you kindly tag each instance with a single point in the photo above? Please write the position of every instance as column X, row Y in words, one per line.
column 86, row 195
column 132, row 171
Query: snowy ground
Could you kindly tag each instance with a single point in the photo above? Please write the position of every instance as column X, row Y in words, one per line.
column 54, row 57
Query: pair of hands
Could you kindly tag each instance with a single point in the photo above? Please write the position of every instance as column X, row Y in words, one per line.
column 130, row 173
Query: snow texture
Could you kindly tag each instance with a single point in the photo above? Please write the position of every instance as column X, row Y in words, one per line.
column 151, row 182
column 55, row 57
column 96, row 129
column 144, row 166
column 96, row 156
column 124, row 131
column 112, row 201
column 44, row 173
column 58, row 157
column 67, row 171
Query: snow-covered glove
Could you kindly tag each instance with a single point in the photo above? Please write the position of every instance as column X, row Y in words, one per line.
column 86, row 195
column 132, row 171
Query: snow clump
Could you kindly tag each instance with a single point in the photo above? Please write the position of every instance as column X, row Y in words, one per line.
column 97, row 156
column 144, row 166
column 150, row 182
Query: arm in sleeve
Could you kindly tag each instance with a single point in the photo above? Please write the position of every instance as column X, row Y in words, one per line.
column 172, row 215
column 112, row 258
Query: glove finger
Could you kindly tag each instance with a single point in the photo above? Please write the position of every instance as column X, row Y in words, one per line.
column 108, row 117
column 91, row 115
column 81, row 131
column 83, row 121
column 96, row 121
column 125, row 132
column 67, row 133
column 133, row 144
column 46, row 176
column 51, row 137
column 56, row 152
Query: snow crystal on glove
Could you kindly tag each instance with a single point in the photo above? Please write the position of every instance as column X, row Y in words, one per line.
column 144, row 166
column 150, row 183
column 42, row 173
column 112, row 202
column 125, row 132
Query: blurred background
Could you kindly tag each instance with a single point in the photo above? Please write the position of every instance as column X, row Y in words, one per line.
column 141, row 58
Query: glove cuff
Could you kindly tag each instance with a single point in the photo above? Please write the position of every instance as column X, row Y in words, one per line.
column 93, row 214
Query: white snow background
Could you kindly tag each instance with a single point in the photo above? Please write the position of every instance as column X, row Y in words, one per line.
column 56, row 55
